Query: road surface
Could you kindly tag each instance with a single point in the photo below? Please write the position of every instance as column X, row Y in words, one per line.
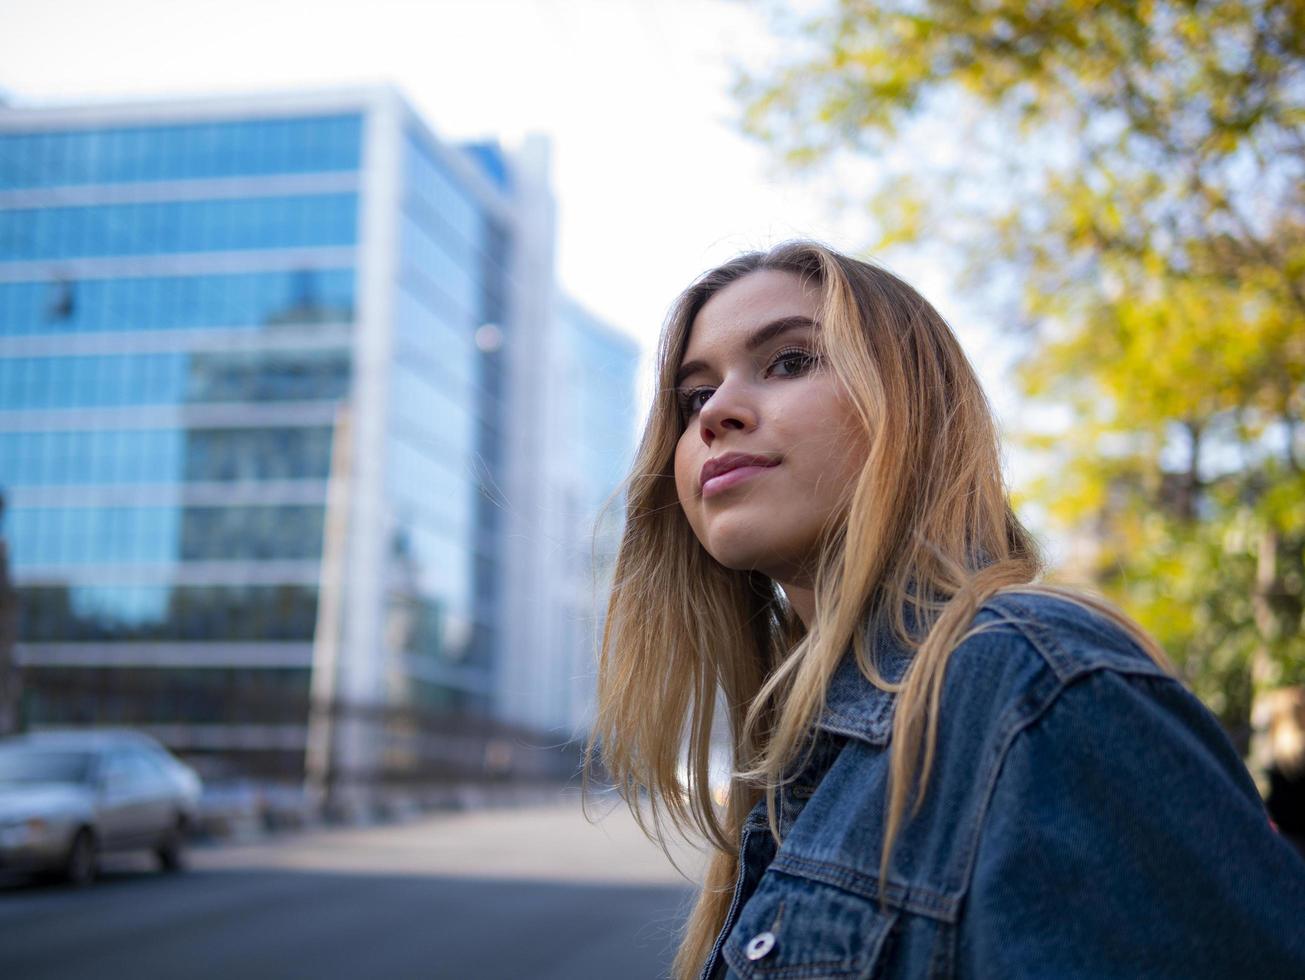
column 519, row 893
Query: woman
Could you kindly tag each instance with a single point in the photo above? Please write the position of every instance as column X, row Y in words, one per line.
column 940, row 768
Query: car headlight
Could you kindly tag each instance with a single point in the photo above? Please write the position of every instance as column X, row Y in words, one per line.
column 15, row 833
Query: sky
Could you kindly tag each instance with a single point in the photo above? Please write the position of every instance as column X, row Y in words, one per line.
column 654, row 180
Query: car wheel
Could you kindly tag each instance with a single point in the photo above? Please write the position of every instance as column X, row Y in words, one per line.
column 79, row 864
column 172, row 851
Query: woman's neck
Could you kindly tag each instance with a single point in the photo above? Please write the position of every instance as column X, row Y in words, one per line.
column 802, row 600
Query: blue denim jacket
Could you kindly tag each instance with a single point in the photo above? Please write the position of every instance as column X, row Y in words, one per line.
column 1086, row 817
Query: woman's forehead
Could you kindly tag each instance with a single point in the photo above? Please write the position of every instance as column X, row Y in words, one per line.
column 734, row 315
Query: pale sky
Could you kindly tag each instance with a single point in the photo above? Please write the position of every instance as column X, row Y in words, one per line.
column 654, row 181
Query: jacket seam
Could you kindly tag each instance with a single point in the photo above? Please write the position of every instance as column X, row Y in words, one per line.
column 1017, row 726
column 913, row 898
column 852, row 730
column 1042, row 639
column 942, row 962
column 728, row 926
column 1021, row 714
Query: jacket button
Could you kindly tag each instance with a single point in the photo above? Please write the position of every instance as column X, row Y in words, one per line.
column 759, row 945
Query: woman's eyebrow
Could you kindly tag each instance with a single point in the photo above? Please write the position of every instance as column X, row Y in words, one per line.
column 760, row 337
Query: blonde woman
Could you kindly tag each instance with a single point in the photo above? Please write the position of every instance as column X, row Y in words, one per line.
column 940, row 768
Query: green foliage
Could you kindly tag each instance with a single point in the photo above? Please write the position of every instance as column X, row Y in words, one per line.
column 1137, row 171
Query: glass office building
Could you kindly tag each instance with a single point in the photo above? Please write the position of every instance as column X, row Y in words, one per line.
column 589, row 443
column 267, row 401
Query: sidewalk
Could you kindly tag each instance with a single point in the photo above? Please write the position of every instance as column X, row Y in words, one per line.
column 552, row 842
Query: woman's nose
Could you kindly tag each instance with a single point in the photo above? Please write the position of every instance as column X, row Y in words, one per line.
column 727, row 409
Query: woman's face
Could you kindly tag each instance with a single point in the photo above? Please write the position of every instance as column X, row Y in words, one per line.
column 772, row 446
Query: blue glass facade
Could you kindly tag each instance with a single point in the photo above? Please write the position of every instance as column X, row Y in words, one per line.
column 104, row 380
column 250, row 300
column 452, row 280
column 187, row 247
column 200, row 318
column 113, row 535
column 196, row 613
column 167, row 227
column 596, row 411
column 108, row 457
column 220, row 148
column 601, row 403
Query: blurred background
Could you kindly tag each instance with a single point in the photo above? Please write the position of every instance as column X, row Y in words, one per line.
column 325, row 334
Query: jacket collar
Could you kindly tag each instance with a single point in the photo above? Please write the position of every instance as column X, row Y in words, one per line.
column 857, row 708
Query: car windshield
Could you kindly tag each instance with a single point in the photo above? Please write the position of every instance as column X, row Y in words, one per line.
column 26, row 764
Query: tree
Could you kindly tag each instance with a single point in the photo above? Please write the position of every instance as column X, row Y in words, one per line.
column 1130, row 176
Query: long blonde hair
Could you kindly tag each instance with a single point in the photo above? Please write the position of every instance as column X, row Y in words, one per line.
column 928, row 537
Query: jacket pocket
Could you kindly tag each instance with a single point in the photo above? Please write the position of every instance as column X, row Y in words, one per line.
column 794, row 927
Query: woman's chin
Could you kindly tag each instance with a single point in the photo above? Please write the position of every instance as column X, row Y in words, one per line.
column 741, row 554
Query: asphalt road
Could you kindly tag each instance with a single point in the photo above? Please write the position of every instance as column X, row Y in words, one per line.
column 529, row 893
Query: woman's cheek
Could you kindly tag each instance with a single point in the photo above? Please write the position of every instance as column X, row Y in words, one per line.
column 685, row 485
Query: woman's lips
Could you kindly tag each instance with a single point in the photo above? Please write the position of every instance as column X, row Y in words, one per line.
column 733, row 477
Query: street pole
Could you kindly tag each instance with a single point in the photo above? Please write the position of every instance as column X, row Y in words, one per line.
column 323, row 684
column 10, row 676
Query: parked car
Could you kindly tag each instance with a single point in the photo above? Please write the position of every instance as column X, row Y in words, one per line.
column 67, row 797
column 229, row 808
column 239, row 804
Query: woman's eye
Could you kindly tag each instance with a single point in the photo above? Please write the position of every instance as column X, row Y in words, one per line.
column 792, row 363
column 693, row 399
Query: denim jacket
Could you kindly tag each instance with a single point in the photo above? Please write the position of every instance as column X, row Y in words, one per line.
column 1086, row 817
